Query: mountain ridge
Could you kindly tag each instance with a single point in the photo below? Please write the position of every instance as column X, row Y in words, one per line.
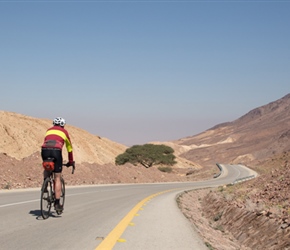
column 254, row 136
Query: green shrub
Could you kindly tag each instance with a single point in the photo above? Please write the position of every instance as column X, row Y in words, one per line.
column 147, row 155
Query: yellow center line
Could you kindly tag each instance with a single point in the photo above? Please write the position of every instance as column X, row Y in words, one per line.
column 112, row 238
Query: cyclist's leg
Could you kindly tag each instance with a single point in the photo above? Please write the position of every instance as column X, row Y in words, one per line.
column 57, row 185
column 57, row 173
column 59, row 193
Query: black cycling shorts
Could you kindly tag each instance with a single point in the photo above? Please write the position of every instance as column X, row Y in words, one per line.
column 53, row 153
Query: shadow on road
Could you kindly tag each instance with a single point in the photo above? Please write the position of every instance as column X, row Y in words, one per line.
column 37, row 214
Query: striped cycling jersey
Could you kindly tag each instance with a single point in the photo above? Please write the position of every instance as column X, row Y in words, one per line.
column 56, row 137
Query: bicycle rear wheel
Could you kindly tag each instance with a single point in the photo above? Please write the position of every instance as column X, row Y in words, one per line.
column 46, row 198
column 62, row 195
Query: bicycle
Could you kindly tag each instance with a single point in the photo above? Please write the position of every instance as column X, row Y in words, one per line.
column 47, row 197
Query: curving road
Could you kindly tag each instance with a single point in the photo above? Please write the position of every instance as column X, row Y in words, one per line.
column 119, row 217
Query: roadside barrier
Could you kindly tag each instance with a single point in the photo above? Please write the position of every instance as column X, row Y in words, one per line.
column 236, row 180
column 243, row 179
column 220, row 169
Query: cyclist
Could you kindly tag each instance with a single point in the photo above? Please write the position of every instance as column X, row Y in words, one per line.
column 54, row 140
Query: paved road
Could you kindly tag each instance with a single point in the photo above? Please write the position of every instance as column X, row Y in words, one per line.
column 119, row 217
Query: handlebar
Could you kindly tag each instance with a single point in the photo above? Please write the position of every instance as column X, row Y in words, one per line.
column 73, row 166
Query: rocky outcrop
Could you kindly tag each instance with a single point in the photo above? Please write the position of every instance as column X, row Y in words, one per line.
column 250, row 227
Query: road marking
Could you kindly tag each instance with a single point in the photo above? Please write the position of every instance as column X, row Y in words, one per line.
column 18, row 203
column 29, row 201
column 114, row 236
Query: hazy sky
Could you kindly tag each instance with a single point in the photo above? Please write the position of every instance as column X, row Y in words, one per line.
column 141, row 71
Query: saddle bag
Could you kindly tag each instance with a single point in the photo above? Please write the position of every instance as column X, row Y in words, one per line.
column 48, row 165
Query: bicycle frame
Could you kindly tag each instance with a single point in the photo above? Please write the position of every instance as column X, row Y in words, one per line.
column 47, row 198
column 48, row 194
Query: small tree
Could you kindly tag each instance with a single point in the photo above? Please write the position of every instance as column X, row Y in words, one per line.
column 147, row 155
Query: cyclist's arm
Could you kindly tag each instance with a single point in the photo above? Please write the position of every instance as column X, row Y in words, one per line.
column 69, row 148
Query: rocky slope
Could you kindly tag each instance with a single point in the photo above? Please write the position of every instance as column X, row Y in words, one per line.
column 27, row 173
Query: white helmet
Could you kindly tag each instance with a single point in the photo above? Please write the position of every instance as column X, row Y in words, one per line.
column 59, row 121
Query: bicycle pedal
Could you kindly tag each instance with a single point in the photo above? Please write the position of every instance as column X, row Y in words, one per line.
column 59, row 212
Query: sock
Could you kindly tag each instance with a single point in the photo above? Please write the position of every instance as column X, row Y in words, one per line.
column 56, row 201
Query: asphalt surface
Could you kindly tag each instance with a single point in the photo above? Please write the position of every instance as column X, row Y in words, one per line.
column 119, row 217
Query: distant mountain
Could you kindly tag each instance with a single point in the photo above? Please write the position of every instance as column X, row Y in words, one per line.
column 258, row 135
column 22, row 136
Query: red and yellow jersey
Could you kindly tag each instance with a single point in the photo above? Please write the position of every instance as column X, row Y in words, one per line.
column 56, row 137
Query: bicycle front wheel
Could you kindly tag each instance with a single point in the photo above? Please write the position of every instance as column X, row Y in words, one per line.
column 46, row 198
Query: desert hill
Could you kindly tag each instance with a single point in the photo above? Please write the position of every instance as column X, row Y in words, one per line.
column 22, row 136
column 259, row 134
